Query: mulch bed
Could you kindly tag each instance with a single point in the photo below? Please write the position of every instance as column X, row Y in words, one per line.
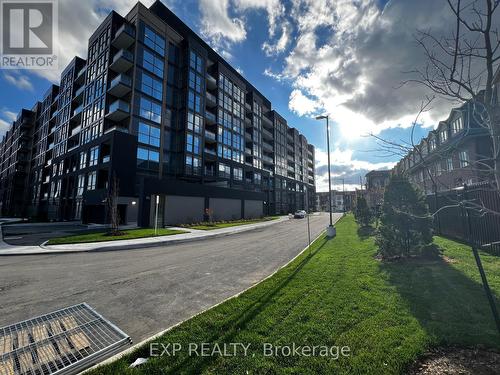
column 457, row 361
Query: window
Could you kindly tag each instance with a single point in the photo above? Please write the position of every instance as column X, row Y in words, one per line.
column 81, row 185
column 146, row 154
column 196, row 62
column 83, row 159
column 257, row 179
column 193, row 144
column 94, row 156
column 224, row 170
column 194, row 101
column 195, row 122
column 457, row 125
column 449, row 164
column 151, row 86
column 195, row 81
column 432, row 144
column 150, row 110
column 443, row 135
column 149, row 135
column 152, row 63
column 238, row 174
column 154, row 41
column 464, row 158
column 193, row 165
column 92, row 179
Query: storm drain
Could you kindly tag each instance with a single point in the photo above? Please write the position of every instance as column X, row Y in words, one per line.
column 63, row 342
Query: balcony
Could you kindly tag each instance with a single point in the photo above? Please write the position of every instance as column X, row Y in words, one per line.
column 266, row 134
column 210, row 136
column 79, row 94
column 248, row 122
column 80, row 76
column 210, row 152
column 120, row 86
column 248, row 136
column 75, row 131
column 248, row 151
column 122, row 61
column 267, row 146
column 211, row 100
column 268, row 159
column 211, row 82
column 118, row 111
column 77, row 113
column 210, row 117
column 248, row 107
column 267, row 121
column 124, row 36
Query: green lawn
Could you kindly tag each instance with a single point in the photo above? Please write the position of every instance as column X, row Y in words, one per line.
column 102, row 236
column 388, row 314
column 227, row 224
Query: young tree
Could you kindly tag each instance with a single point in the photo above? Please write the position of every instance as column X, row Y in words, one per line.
column 112, row 200
column 362, row 213
column 405, row 226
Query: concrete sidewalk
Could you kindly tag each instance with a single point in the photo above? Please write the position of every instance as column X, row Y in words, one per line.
column 138, row 243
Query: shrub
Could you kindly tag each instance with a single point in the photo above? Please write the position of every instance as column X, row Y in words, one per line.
column 405, row 224
column 362, row 213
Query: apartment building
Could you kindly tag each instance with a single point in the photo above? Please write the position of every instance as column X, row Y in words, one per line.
column 156, row 110
column 459, row 151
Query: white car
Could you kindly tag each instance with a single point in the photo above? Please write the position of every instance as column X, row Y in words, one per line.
column 300, row 214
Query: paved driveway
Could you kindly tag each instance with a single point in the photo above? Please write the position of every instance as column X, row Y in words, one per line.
column 147, row 290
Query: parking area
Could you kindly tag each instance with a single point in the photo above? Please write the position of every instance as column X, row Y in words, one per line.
column 26, row 234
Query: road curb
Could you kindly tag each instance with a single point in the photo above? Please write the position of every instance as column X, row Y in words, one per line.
column 161, row 333
column 167, row 242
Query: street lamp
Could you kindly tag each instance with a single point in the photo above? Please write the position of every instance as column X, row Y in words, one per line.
column 330, row 231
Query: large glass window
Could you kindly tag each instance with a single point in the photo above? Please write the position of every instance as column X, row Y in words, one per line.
column 193, row 165
column 238, row 174
column 146, row 154
column 94, row 156
column 149, row 134
column 193, row 144
column 81, row 185
column 196, row 62
column 152, row 63
column 154, row 41
column 151, row 86
column 150, row 110
column 195, row 122
column 194, row 101
column 92, row 181
column 464, row 158
column 83, row 159
column 224, row 170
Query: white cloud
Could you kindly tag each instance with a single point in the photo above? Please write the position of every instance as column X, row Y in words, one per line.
column 6, row 119
column 345, row 167
column 218, row 26
column 18, row 79
column 301, row 104
column 349, row 56
column 281, row 44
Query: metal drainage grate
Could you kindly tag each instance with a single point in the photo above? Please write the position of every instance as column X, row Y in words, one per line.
column 63, row 342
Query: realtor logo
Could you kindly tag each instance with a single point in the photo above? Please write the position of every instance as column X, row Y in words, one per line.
column 29, row 30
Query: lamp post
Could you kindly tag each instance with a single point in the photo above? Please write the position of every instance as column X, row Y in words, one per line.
column 330, row 231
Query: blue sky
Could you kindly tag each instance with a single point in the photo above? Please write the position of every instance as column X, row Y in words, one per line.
column 344, row 58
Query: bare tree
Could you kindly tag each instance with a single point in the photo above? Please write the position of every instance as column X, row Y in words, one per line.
column 112, row 200
column 461, row 67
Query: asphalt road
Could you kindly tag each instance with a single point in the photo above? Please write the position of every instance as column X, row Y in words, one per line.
column 147, row 290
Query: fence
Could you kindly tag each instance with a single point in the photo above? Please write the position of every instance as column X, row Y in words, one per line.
column 470, row 214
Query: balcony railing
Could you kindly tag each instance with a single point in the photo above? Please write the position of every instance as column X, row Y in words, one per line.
column 211, row 100
column 124, row 36
column 210, row 135
column 78, row 110
column 210, row 117
column 120, row 85
column 118, row 110
column 122, row 61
